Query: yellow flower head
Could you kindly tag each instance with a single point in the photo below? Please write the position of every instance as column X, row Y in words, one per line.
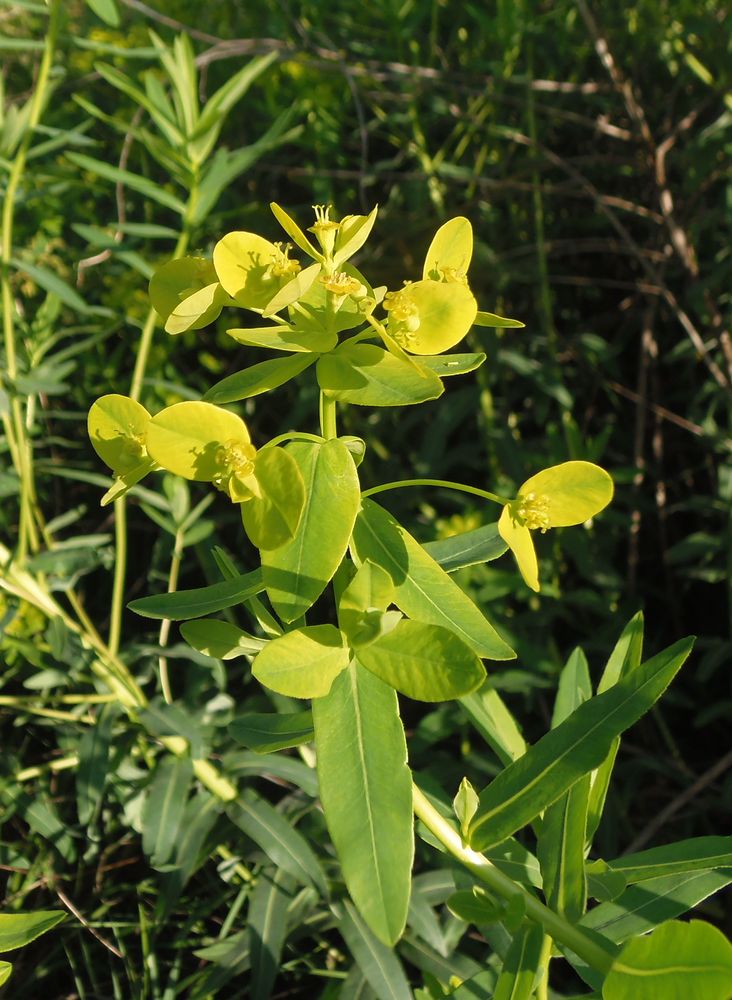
column 566, row 494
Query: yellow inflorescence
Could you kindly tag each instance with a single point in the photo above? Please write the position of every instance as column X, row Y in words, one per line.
column 534, row 511
column 403, row 314
column 343, row 284
column 281, row 265
column 324, row 228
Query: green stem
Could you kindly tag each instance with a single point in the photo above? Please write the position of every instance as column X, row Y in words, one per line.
column 556, row 927
column 165, row 623
column 328, row 417
column 292, row 436
column 542, row 987
column 19, row 444
column 461, row 487
column 120, row 506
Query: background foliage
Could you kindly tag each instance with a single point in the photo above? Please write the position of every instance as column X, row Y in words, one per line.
column 590, row 148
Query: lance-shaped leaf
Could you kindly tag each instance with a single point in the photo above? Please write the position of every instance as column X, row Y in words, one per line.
column 362, row 605
column 273, row 518
column 422, row 590
column 222, row 640
column 19, row 929
column 469, row 548
column 366, row 791
column 695, row 854
column 296, row 234
column 284, row 337
column 561, row 841
column 164, row 807
column 445, row 365
column 258, row 378
column 199, row 601
column 574, row 748
column 450, row 252
column 266, row 732
column 520, row 968
column 678, row 961
column 367, row 375
column 353, row 231
column 495, row 321
column 302, row 663
column 297, row 573
column 295, row 289
column 424, row 662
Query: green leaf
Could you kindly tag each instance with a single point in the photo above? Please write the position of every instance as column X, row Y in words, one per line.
column 302, row 663
column 642, row 907
column 474, row 906
column 521, row 965
column 492, row 320
column 272, row 520
column 265, row 732
column 423, row 590
column 378, row 962
column 478, row 987
column 296, row 234
column 574, row 687
column 19, row 929
column 353, row 231
column 574, row 748
column 295, row 289
column 285, row 338
column 276, row 836
column 367, row 375
column 267, row 929
column 695, row 854
column 573, row 492
column 626, row 656
column 91, row 773
column 125, row 177
column 424, row 662
column 450, row 252
column 222, row 640
column 162, row 813
column 561, row 851
column 490, row 716
column 297, row 573
column 445, row 365
column 366, row 791
column 678, row 961
column 201, row 600
column 465, row 804
column 259, row 378
column 469, row 548
column 6, row 971
column 52, row 284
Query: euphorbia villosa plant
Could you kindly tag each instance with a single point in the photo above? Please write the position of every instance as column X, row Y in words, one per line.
column 403, row 624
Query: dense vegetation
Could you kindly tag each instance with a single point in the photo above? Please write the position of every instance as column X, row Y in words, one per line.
column 589, row 146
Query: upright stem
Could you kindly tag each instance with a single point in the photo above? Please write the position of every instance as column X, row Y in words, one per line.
column 165, row 623
column 328, row 417
column 555, row 925
column 20, row 447
column 120, row 506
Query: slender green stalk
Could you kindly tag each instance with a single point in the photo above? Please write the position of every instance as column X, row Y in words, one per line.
column 165, row 623
column 20, row 446
column 556, row 926
column 542, row 987
column 446, row 484
column 120, row 506
column 328, row 417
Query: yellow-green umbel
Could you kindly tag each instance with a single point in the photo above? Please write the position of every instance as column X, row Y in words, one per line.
column 566, row 494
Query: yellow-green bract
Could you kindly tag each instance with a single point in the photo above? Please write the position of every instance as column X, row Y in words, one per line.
column 562, row 495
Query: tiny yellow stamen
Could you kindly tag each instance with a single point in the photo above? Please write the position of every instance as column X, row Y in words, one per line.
column 533, row 510
column 403, row 315
column 325, row 229
column 281, row 266
column 343, row 284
